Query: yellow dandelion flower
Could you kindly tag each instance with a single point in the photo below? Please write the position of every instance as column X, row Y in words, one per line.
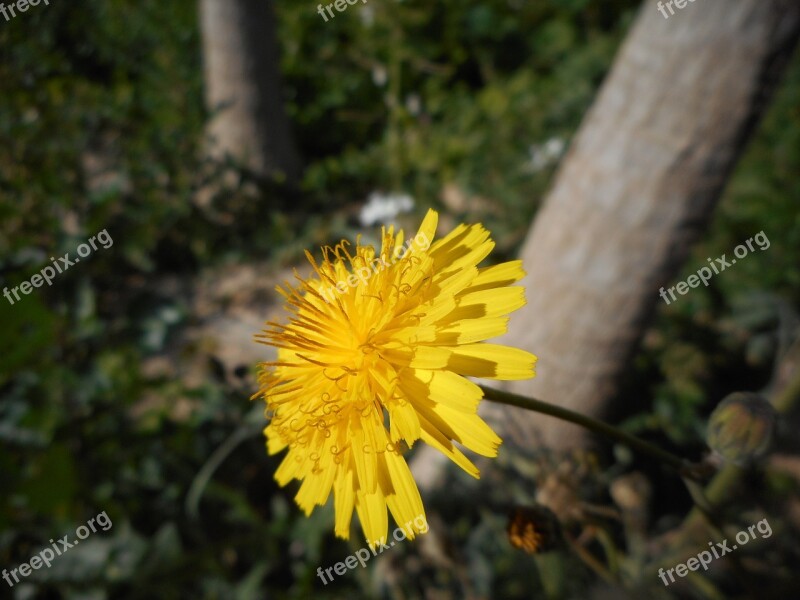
column 373, row 358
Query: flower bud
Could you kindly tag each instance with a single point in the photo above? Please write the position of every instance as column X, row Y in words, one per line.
column 534, row 529
column 741, row 429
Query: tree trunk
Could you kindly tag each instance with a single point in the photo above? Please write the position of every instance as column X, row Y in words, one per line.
column 637, row 189
column 243, row 87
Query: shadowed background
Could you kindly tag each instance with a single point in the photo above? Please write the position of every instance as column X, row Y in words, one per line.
column 216, row 141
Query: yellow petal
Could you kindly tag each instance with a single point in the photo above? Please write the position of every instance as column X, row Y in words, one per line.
column 344, row 500
column 405, row 503
column 468, row 332
column 492, row 361
column 371, row 509
column 474, row 433
column 427, row 230
column 434, row 438
column 496, row 276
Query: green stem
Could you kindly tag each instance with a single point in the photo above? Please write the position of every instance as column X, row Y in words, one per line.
column 682, row 466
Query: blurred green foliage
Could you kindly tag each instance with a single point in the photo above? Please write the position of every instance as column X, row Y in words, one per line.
column 430, row 94
column 101, row 125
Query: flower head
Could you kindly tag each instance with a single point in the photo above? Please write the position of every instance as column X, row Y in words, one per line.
column 742, row 428
column 373, row 359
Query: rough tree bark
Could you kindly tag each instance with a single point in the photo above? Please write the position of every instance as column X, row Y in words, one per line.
column 243, row 87
column 637, row 189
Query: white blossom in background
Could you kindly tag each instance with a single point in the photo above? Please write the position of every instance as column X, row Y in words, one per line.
column 367, row 15
column 414, row 104
column 544, row 155
column 379, row 75
column 383, row 208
